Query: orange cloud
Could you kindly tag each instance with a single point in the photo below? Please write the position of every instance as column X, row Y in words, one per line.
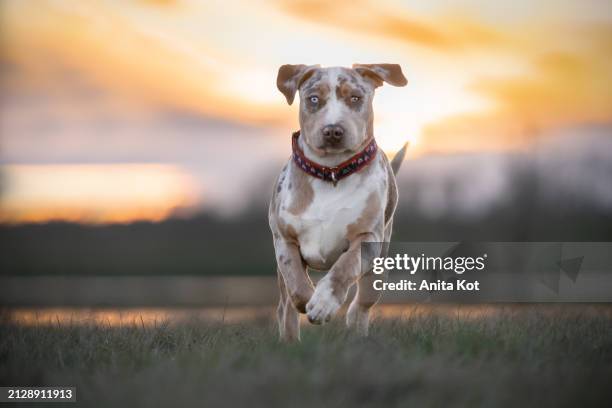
column 124, row 50
column 562, row 89
column 376, row 19
column 164, row 3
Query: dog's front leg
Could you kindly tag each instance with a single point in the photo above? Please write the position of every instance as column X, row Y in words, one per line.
column 296, row 289
column 332, row 289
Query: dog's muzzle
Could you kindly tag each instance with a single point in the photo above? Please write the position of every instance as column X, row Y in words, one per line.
column 333, row 135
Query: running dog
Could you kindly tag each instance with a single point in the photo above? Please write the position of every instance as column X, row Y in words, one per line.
column 337, row 191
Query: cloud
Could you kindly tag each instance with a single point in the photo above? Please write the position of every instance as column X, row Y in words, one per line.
column 78, row 121
column 126, row 48
column 563, row 88
column 567, row 86
column 162, row 3
column 368, row 18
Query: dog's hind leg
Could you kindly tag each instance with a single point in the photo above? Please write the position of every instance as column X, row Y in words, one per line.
column 358, row 314
column 280, row 310
column 287, row 316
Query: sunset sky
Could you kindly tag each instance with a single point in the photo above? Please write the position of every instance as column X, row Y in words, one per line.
column 119, row 110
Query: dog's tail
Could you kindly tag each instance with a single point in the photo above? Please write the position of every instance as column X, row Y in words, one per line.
column 398, row 158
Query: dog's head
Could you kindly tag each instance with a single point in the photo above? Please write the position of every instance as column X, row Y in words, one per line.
column 336, row 103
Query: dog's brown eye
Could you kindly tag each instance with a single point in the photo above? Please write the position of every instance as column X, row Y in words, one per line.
column 314, row 100
column 355, row 99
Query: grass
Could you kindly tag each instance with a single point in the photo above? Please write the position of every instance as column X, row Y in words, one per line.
column 513, row 357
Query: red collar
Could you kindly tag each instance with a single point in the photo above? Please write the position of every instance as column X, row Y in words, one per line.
column 336, row 173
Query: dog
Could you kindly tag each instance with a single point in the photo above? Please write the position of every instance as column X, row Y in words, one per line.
column 336, row 192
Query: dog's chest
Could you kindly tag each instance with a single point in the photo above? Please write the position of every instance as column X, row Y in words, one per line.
column 322, row 227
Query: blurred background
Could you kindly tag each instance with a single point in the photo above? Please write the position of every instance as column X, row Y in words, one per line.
column 140, row 139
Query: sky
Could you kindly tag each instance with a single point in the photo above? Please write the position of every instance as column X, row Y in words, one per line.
column 114, row 111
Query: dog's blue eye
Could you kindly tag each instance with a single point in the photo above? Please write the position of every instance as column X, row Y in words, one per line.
column 314, row 99
column 355, row 99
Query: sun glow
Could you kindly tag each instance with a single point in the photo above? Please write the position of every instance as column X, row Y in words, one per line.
column 94, row 193
column 391, row 136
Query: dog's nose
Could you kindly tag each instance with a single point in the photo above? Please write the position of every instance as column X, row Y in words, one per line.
column 333, row 134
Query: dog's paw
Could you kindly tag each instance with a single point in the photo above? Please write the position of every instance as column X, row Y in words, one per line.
column 323, row 304
column 300, row 298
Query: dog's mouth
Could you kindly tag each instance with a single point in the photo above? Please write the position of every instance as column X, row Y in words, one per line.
column 325, row 150
column 329, row 149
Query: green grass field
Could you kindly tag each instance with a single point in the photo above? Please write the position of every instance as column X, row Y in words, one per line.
column 513, row 357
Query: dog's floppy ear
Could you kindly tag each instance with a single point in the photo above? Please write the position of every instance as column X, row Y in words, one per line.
column 290, row 77
column 390, row 73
